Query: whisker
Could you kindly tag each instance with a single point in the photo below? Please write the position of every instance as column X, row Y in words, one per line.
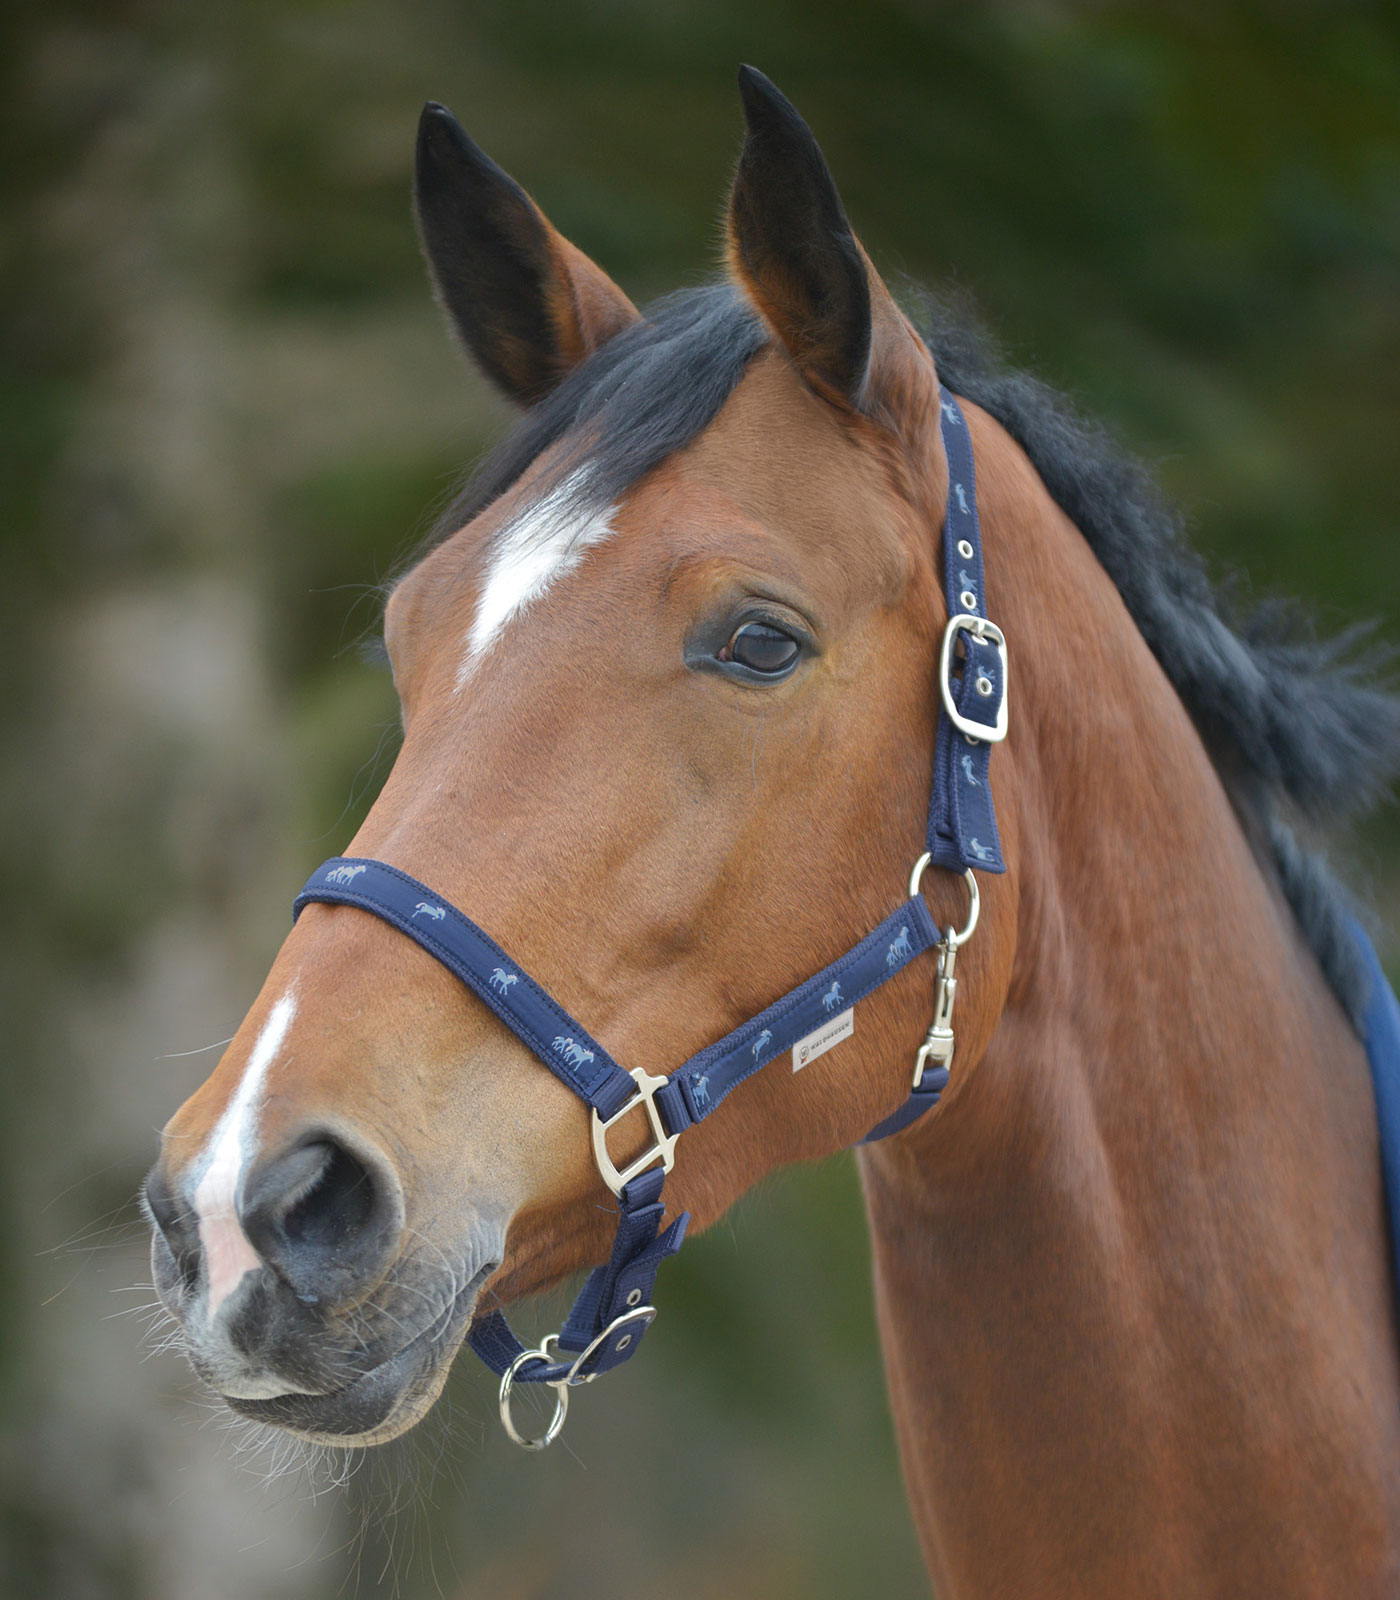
column 179, row 1055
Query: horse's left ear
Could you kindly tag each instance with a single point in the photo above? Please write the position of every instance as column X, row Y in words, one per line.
column 793, row 251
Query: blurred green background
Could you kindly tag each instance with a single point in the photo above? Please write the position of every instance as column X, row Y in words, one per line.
column 229, row 407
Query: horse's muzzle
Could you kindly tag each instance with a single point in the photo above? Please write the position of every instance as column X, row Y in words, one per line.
column 331, row 1329
column 385, row 1399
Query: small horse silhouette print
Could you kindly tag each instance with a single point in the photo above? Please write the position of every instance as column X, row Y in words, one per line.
column 951, row 412
column 501, row 980
column 574, row 1053
column 961, row 497
column 764, row 1038
column 981, row 851
column 901, row 948
column 423, row 909
column 972, row 777
column 700, row 1090
column 343, row 875
column 832, row 998
column 967, row 580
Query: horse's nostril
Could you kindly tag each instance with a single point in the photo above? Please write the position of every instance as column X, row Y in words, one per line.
column 336, row 1202
column 177, row 1224
column 324, row 1217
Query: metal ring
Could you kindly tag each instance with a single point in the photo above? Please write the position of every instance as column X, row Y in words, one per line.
column 975, row 898
column 561, row 1404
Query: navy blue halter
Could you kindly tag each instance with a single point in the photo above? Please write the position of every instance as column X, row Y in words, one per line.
column 613, row 1309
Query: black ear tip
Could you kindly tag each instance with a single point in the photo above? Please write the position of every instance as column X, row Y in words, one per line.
column 756, row 88
column 444, row 144
column 436, row 115
column 438, row 129
column 765, row 104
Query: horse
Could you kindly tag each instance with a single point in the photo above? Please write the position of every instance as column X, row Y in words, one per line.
column 669, row 669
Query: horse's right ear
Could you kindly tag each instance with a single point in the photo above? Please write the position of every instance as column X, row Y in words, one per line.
column 520, row 297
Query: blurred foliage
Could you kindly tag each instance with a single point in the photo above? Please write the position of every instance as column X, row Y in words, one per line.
column 227, row 410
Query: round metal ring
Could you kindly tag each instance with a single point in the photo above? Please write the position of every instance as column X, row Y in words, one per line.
column 561, row 1405
column 974, row 909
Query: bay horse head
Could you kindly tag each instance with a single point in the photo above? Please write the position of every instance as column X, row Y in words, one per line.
column 665, row 689
column 670, row 687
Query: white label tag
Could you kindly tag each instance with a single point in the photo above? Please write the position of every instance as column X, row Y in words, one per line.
column 820, row 1040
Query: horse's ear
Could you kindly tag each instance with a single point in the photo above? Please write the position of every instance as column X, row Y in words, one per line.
column 793, row 251
column 525, row 302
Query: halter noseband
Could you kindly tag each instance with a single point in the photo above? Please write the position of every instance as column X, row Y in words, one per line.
column 614, row 1307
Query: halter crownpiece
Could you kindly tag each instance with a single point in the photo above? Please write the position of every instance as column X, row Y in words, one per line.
column 614, row 1309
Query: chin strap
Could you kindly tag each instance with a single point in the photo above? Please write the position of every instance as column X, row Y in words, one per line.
column 614, row 1308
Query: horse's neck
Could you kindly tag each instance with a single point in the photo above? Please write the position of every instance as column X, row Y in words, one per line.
column 1132, row 1275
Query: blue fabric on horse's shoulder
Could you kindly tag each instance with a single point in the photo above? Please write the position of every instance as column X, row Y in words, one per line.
column 1381, row 1031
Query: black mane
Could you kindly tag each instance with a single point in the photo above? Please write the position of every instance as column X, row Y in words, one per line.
column 1298, row 728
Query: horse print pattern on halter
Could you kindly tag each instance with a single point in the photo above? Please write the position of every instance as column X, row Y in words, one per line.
column 423, row 909
column 501, row 980
column 900, row 950
column 343, row 875
column 567, row 1046
column 832, row 998
column 764, row 1038
column 971, row 776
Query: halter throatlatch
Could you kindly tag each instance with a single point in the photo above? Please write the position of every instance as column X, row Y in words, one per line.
column 614, row 1308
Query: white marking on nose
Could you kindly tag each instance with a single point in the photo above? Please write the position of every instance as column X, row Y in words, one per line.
column 541, row 546
column 227, row 1253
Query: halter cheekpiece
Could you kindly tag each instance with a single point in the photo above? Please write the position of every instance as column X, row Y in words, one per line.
column 614, row 1308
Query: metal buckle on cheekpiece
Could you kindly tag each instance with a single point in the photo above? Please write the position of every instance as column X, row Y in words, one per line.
column 663, row 1148
column 985, row 633
column 644, row 1316
column 939, row 1041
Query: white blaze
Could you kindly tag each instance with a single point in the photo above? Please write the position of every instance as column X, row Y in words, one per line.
column 227, row 1253
column 543, row 544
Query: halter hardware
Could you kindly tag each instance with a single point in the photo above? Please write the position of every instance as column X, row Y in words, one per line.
column 644, row 1316
column 663, row 1148
column 939, row 1042
column 613, row 1309
column 561, row 1405
column 985, row 633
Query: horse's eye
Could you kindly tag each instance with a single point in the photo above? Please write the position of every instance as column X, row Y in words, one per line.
column 762, row 648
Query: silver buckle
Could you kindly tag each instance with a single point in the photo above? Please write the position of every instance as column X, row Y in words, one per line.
column 663, row 1148
column 646, row 1315
column 981, row 630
